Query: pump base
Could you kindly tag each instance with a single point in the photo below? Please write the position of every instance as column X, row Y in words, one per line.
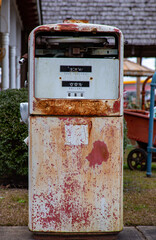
column 89, row 236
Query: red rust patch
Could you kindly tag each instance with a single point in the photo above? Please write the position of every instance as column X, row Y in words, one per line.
column 116, row 106
column 75, row 21
column 42, row 28
column 114, row 215
column 98, row 154
column 117, row 30
column 67, row 27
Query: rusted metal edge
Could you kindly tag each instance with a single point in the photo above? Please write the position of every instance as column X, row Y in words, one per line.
column 73, row 107
column 83, row 27
column 143, row 91
column 137, row 113
column 76, row 233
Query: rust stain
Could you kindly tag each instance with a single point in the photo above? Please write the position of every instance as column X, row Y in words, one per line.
column 114, row 215
column 89, row 127
column 48, row 28
column 75, row 27
column 99, row 154
column 117, row 30
column 74, row 107
column 116, row 106
column 67, row 27
column 75, row 21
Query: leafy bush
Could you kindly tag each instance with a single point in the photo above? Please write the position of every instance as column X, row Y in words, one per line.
column 13, row 151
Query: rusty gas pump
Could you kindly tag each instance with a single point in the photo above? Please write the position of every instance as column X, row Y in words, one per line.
column 75, row 129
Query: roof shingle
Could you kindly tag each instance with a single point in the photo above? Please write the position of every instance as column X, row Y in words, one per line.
column 135, row 18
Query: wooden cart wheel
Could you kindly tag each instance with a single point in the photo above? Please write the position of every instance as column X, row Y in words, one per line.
column 137, row 159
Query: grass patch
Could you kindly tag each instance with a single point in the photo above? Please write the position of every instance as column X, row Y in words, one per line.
column 139, row 197
column 13, row 207
column 139, row 201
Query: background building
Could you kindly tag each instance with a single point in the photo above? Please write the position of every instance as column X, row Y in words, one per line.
column 17, row 19
column 135, row 18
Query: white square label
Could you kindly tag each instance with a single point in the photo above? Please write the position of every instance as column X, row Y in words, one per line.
column 76, row 134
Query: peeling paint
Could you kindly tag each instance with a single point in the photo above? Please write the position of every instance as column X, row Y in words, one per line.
column 75, row 188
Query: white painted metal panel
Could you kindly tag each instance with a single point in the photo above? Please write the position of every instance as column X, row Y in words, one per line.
column 73, row 186
column 103, row 78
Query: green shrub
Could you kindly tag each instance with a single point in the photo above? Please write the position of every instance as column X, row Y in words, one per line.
column 13, row 151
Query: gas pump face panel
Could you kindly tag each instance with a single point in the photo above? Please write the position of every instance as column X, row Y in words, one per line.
column 81, row 66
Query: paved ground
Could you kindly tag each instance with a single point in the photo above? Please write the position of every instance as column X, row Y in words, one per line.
column 128, row 233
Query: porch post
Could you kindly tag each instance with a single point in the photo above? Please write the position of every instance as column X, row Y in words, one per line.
column 12, row 67
column 5, row 61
